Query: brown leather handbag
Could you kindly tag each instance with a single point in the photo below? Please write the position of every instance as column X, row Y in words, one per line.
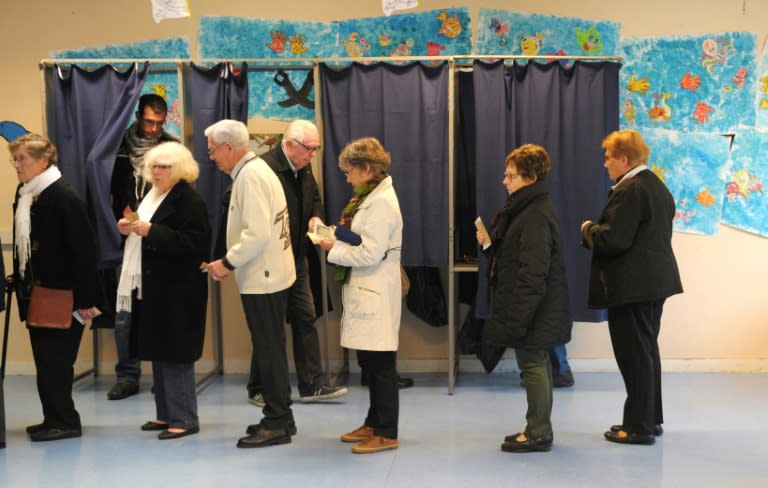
column 50, row 308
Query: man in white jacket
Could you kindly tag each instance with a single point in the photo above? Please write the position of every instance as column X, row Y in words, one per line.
column 259, row 252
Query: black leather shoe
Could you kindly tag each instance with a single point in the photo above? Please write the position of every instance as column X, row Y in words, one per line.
column 657, row 429
column 253, row 428
column 54, row 434
column 562, row 380
column 166, row 434
column 629, row 438
column 122, row 390
column 404, row 382
column 36, row 428
column 152, row 425
column 539, row 444
column 265, row 437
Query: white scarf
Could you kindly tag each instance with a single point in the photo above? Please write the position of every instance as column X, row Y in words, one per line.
column 27, row 194
column 130, row 276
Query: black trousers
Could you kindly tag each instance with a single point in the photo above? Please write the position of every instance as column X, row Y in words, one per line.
column 55, row 352
column 634, row 330
column 306, row 342
column 265, row 315
column 383, row 391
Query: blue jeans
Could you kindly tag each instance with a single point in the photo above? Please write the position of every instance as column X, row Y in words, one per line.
column 127, row 369
column 558, row 356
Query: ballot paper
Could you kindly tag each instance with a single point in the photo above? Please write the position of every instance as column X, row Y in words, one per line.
column 480, row 226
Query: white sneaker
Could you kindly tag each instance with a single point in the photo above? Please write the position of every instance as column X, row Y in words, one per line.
column 257, row 399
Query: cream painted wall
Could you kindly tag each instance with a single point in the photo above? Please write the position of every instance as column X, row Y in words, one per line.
column 720, row 317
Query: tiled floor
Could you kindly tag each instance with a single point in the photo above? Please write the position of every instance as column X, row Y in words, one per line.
column 715, row 435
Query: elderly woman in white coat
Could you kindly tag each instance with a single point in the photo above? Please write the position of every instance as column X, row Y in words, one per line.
column 366, row 250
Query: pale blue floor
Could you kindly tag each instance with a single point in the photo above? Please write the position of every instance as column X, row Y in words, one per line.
column 715, row 432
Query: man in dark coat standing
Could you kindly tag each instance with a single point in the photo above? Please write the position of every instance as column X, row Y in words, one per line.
column 291, row 162
column 633, row 271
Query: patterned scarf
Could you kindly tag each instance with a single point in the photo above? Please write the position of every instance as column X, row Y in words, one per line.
column 360, row 193
column 138, row 146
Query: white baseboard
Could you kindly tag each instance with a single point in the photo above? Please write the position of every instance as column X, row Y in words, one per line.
column 467, row 365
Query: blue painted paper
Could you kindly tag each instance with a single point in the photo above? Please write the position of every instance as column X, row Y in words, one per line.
column 693, row 165
column 512, row 33
column 761, row 91
column 746, row 202
column 693, row 83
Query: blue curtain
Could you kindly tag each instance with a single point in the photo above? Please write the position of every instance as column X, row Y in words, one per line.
column 566, row 110
column 406, row 108
column 215, row 94
column 92, row 110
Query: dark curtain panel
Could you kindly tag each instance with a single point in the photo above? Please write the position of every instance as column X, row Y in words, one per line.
column 215, row 94
column 92, row 111
column 566, row 110
column 406, row 108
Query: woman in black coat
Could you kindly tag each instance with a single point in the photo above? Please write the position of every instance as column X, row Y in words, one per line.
column 168, row 239
column 54, row 247
column 529, row 288
column 633, row 272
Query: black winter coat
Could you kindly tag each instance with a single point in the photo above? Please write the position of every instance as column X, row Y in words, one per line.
column 63, row 251
column 632, row 258
column 529, row 288
column 169, row 320
column 301, row 195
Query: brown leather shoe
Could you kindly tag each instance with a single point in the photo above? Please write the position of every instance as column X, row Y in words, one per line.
column 375, row 443
column 360, row 434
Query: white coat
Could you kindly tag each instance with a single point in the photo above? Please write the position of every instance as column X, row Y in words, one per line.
column 372, row 299
column 258, row 230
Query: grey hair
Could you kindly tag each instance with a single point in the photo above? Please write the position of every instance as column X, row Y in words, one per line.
column 232, row 131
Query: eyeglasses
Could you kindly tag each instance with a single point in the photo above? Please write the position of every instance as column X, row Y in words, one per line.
column 14, row 161
column 213, row 150
column 347, row 171
column 307, row 148
column 161, row 166
column 511, row 176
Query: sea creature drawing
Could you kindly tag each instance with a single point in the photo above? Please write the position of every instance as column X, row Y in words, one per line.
column 630, row 112
column 764, row 100
column 299, row 96
column 158, row 89
column 705, row 197
column 530, row 45
column 690, row 82
column 174, row 112
column 701, row 112
column 741, row 75
column 355, row 46
column 297, row 44
column 661, row 111
column 715, row 52
column 659, row 172
column 384, row 39
column 681, row 214
column 743, row 184
column 638, row 85
column 450, row 26
column 404, row 48
column 433, row 48
column 590, row 40
column 279, row 39
column 501, row 30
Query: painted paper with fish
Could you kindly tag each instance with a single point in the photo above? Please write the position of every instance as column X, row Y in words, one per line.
column 693, row 83
column 746, row 200
column 761, row 90
column 693, row 165
column 507, row 32
column 431, row 33
column 287, row 95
